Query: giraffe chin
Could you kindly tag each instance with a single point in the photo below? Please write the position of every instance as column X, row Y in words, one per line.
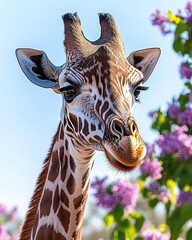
column 125, row 155
column 118, row 164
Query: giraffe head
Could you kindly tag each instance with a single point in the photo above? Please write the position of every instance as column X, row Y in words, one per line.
column 99, row 86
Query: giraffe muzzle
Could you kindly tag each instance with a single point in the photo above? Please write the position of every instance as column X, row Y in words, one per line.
column 119, row 129
column 124, row 148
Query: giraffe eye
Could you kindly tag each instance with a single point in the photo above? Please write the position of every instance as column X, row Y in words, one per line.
column 69, row 93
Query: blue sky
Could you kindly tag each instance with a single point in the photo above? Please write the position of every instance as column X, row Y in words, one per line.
column 30, row 115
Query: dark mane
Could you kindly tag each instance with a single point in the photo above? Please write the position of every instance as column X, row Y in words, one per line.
column 31, row 213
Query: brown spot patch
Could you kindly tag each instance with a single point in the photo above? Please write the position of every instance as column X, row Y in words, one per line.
column 104, row 108
column 71, row 184
column 78, row 201
column 86, row 128
column 64, row 169
column 77, row 234
column 48, row 233
column 61, row 153
column 64, row 217
column 72, row 164
column 93, row 127
column 66, row 145
column 80, row 215
column 56, row 199
column 80, row 124
column 73, row 119
column 54, row 171
column 64, row 198
column 46, row 202
column 62, row 133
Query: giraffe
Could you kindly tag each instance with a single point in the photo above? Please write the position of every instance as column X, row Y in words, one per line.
column 99, row 87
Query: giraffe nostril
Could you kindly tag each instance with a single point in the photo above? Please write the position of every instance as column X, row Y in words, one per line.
column 117, row 128
column 133, row 127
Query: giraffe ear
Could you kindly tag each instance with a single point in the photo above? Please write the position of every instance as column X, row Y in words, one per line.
column 145, row 60
column 38, row 69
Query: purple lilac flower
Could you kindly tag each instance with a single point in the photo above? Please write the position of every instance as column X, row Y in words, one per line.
column 161, row 193
column 174, row 110
column 155, row 234
column 160, row 20
column 3, row 209
column 154, row 186
column 186, row 71
column 126, row 193
column 3, row 233
column 150, row 149
column 183, row 117
column 13, row 214
column 152, row 114
column 151, row 168
column 103, row 197
column 176, row 142
column 122, row 192
column 183, row 197
column 164, row 195
column 188, row 8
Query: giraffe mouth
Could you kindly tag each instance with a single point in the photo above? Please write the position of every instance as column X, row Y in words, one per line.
column 126, row 154
column 119, row 165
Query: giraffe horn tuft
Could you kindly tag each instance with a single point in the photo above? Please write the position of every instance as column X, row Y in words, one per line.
column 74, row 37
column 110, row 34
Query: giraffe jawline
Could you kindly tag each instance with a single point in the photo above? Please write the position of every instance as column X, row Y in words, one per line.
column 118, row 164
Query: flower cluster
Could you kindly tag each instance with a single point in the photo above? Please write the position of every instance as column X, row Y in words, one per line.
column 188, row 8
column 178, row 142
column 8, row 224
column 183, row 117
column 186, row 71
column 183, row 197
column 151, row 168
column 157, row 18
column 120, row 193
column 155, row 234
column 160, row 192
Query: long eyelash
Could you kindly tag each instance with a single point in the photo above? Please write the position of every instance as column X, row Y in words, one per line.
column 142, row 88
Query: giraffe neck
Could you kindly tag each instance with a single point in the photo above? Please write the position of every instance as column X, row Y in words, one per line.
column 60, row 209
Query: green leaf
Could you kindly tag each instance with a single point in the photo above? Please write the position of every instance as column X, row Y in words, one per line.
column 138, row 238
column 179, row 217
column 189, row 234
column 186, row 212
column 181, row 27
column 139, row 220
column 189, row 85
column 129, row 230
column 183, row 100
column 109, row 219
column 153, row 202
column 118, row 213
column 175, row 223
column 177, row 45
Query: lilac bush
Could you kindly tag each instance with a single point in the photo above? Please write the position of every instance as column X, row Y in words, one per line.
column 9, row 223
column 155, row 234
column 177, row 142
column 119, row 193
column 166, row 172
